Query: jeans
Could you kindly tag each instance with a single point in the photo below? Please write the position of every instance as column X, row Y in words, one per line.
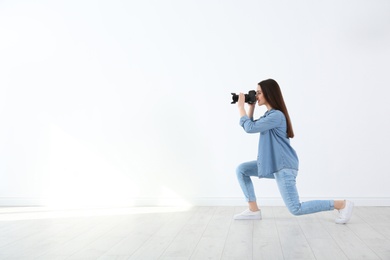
column 286, row 180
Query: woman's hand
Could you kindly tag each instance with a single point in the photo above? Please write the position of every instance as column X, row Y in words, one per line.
column 241, row 104
column 241, row 100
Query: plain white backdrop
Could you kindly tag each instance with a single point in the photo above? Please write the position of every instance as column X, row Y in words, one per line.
column 128, row 102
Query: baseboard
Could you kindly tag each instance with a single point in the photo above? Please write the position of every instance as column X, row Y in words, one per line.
column 19, row 202
column 275, row 201
column 201, row 201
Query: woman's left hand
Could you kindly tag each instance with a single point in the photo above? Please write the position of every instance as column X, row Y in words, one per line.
column 241, row 100
column 241, row 104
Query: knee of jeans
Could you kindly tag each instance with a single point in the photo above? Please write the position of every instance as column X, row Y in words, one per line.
column 239, row 171
column 295, row 210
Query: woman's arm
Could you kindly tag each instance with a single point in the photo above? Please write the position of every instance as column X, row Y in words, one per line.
column 274, row 118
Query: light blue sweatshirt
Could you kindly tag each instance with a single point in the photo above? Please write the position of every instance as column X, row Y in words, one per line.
column 274, row 152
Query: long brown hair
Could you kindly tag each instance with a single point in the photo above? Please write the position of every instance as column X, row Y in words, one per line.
column 274, row 97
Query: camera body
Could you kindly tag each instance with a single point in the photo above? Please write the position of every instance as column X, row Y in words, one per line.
column 250, row 98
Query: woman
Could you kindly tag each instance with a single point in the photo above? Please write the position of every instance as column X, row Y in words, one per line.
column 276, row 158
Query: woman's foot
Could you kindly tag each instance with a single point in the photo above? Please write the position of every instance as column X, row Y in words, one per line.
column 345, row 213
column 248, row 214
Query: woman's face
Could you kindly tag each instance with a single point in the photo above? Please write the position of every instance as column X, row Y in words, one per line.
column 260, row 97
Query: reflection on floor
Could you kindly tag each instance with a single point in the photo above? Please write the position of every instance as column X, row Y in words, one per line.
column 190, row 233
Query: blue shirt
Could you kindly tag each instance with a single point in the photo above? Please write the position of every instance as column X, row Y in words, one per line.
column 274, row 152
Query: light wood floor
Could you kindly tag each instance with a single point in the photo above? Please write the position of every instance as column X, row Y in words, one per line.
column 191, row 233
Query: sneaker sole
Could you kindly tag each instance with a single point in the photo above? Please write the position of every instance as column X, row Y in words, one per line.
column 248, row 218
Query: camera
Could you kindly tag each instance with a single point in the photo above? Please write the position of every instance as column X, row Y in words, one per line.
column 250, row 98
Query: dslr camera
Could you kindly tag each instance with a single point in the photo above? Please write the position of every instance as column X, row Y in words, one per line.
column 250, row 98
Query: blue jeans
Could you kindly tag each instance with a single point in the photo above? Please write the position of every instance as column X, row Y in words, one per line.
column 286, row 180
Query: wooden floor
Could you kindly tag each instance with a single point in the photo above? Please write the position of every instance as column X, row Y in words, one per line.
column 191, row 233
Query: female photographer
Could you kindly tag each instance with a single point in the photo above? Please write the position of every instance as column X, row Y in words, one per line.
column 276, row 158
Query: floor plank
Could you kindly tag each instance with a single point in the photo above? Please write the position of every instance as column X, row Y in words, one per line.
column 212, row 242
column 186, row 240
column 266, row 242
column 239, row 240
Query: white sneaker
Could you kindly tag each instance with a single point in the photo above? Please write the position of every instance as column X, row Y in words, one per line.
column 345, row 213
column 248, row 214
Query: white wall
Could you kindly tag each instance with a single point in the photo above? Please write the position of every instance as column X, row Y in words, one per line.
column 128, row 102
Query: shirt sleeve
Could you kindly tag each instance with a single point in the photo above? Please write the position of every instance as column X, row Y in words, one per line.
column 264, row 123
